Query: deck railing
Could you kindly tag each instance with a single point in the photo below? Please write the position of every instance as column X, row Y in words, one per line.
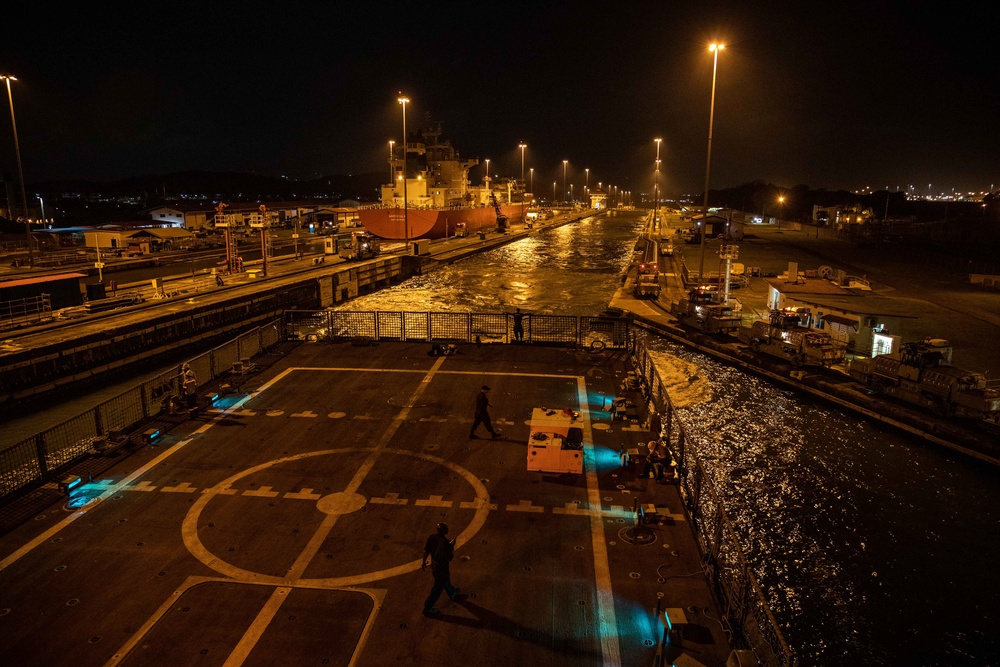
column 44, row 456
column 447, row 327
column 748, row 615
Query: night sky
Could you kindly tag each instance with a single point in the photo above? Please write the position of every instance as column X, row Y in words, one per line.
column 830, row 95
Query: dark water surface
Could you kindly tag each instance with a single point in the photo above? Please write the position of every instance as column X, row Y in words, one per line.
column 874, row 548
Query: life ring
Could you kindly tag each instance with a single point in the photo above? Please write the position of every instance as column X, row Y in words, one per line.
column 597, row 345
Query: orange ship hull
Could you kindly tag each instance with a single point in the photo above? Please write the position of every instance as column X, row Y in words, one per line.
column 422, row 223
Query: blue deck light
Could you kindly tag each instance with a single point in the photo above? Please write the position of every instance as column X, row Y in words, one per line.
column 69, row 482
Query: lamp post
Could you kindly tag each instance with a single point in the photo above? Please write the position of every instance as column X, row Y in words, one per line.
column 586, row 185
column 486, row 178
column 391, row 172
column 714, row 48
column 781, row 209
column 531, row 180
column 20, row 172
column 565, row 162
column 656, row 183
column 553, row 193
column 406, row 212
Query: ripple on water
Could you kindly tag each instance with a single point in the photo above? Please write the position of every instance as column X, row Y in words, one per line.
column 842, row 523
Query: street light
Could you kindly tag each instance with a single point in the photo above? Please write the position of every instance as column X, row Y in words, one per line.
column 565, row 162
column 486, row 178
column 587, row 184
column 406, row 212
column 20, row 172
column 553, row 193
column 656, row 183
column 522, row 146
column 714, row 48
column 531, row 181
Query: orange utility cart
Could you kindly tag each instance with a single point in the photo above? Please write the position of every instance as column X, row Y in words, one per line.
column 555, row 443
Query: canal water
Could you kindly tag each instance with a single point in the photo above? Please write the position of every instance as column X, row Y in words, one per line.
column 873, row 547
column 569, row 270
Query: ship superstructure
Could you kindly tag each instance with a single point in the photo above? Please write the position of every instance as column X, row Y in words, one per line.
column 440, row 198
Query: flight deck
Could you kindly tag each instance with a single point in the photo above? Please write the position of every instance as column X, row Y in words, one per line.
column 285, row 524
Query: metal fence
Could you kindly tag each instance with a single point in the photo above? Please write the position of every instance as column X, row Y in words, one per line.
column 23, row 312
column 332, row 325
column 746, row 609
column 42, row 457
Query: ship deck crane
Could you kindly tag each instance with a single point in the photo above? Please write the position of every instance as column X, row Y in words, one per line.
column 501, row 218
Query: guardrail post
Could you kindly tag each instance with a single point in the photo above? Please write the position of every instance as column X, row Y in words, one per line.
column 144, row 399
column 669, row 410
column 43, row 467
column 98, row 421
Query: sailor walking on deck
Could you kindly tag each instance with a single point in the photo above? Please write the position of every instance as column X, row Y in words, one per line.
column 483, row 414
column 440, row 550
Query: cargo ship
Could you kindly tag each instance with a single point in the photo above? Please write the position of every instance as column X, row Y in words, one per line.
column 440, row 201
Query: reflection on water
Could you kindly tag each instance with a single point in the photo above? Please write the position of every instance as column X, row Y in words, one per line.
column 569, row 270
column 873, row 548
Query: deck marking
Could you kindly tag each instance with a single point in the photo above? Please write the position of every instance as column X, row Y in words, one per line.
column 304, row 494
column 242, row 650
column 183, row 487
column 500, row 374
column 572, row 509
column 312, row 548
column 477, row 504
column 222, row 491
column 608, row 623
column 48, row 534
column 99, row 485
column 433, row 501
column 610, row 647
column 262, row 492
column 141, row 486
column 525, row 506
column 192, row 539
column 298, row 568
column 377, row 596
column 389, row 499
column 120, row 486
